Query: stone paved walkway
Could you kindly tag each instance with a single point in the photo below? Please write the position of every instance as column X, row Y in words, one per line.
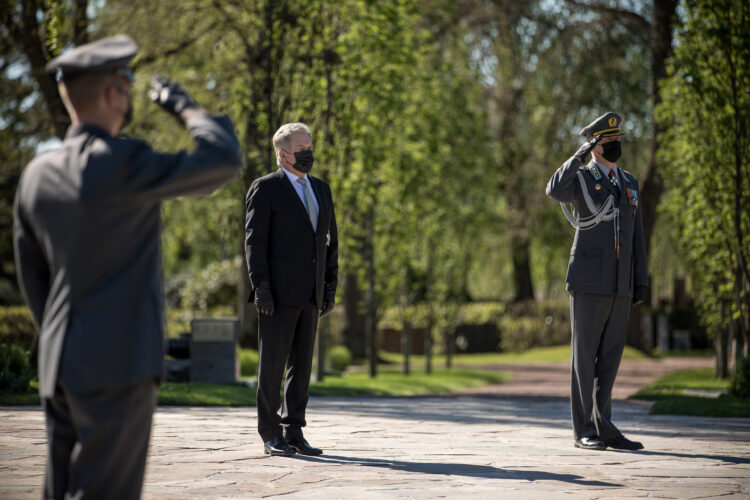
column 461, row 446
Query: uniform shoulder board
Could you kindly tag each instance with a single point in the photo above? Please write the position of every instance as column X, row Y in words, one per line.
column 630, row 178
column 595, row 171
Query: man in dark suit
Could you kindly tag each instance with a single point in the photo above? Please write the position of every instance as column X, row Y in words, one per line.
column 291, row 246
column 606, row 275
column 87, row 247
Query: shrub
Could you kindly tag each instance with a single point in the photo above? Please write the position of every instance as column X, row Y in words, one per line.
column 215, row 285
column 340, row 357
column 15, row 370
column 741, row 379
column 16, row 326
column 534, row 324
column 248, row 362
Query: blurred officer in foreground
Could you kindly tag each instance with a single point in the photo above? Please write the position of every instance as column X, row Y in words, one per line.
column 606, row 275
column 291, row 244
column 87, row 248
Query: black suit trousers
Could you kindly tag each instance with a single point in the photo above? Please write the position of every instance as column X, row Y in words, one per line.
column 98, row 441
column 285, row 339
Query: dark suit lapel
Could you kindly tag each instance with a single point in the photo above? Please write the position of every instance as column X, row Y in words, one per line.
column 319, row 193
column 286, row 186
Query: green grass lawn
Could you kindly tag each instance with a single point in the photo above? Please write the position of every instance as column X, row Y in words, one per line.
column 387, row 383
column 669, row 397
column 538, row 355
column 205, row 394
column 393, row 383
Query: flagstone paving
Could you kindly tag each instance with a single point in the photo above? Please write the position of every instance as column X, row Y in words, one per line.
column 477, row 446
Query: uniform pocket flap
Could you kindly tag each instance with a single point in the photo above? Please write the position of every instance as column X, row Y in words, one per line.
column 587, row 252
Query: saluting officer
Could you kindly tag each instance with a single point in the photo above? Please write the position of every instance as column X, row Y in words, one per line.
column 606, row 275
column 87, row 248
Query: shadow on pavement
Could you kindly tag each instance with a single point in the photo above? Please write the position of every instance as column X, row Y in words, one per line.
column 731, row 460
column 453, row 469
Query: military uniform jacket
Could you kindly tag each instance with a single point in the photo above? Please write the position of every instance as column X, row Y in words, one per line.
column 594, row 264
column 88, row 248
column 281, row 246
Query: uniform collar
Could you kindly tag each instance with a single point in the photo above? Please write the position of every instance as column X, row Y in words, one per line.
column 605, row 169
column 86, row 128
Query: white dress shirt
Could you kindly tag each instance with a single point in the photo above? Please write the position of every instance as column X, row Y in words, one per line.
column 298, row 187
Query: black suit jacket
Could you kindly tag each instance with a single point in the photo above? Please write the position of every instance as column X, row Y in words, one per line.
column 281, row 246
column 88, row 248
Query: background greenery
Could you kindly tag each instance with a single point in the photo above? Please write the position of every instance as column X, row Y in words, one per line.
column 437, row 124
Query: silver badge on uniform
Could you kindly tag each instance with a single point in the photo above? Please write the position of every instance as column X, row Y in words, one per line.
column 328, row 239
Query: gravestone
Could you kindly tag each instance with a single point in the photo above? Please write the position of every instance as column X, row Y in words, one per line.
column 213, row 350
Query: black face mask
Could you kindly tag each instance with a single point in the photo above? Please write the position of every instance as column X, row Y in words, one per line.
column 304, row 160
column 612, row 151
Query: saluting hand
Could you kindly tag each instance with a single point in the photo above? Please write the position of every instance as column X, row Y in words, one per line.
column 170, row 96
column 586, row 148
column 264, row 299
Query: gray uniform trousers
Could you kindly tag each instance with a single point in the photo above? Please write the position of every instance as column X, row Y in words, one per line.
column 599, row 324
column 93, row 451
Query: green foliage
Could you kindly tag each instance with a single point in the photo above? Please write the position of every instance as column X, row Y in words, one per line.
column 15, row 369
column 741, row 379
column 339, row 357
column 16, row 326
column 669, row 397
column 706, row 148
column 214, row 285
column 249, row 359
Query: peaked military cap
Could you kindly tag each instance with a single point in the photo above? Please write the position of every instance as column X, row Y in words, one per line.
column 107, row 54
column 607, row 125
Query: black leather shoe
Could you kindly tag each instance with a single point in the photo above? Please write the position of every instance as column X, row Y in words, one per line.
column 277, row 447
column 590, row 443
column 623, row 443
column 300, row 445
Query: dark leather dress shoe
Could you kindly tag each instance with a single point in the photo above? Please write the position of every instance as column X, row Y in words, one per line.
column 300, row 445
column 623, row 443
column 277, row 447
column 590, row 443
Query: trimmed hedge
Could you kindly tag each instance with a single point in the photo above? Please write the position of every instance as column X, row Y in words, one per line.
column 741, row 379
column 16, row 326
column 15, row 369
column 518, row 326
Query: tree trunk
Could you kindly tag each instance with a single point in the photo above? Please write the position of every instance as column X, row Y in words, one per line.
column 371, row 322
column 428, row 344
column 406, row 346
column 28, row 33
column 522, row 269
column 354, row 319
column 722, row 356
column 660, row 47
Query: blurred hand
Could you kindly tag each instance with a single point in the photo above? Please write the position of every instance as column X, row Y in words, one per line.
column 170, row 96
column 586, row 148
column 329, row 300
column 264, row 299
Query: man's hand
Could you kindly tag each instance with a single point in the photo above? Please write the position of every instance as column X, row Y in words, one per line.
column 170, row 96
column 586, row 148
column 264, row 299
column 639, row 294
column 329, row 300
